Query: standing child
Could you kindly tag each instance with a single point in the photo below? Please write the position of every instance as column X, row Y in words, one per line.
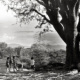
column 14, row 64
column 32, row 63
column 8, row 64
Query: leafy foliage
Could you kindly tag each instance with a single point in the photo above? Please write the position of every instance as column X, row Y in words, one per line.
column 44, row 57
column 3, row 47
column 43, row 54
column 18, row 49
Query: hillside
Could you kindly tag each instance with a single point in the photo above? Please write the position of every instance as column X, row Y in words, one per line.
column 14, row 45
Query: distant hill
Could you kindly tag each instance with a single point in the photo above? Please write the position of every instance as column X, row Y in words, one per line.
column 58, row 47
column 13, row 45
column 48, row 47
column 41, row 46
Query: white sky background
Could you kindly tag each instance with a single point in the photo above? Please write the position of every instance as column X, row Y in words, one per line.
column 10, row 33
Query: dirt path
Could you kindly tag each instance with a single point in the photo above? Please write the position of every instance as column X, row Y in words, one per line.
column 26, row 76
column 30, row 75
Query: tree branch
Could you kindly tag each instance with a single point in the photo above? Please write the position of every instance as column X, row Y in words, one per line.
column 41, row 3
column 41, row 15
column 41, row 23
column 77, row 6
column 57, row 25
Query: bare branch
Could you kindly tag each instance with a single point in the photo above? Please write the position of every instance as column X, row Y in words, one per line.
column 41, row 23
column 41, row 15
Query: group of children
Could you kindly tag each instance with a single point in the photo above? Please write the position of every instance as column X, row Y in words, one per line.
column 11, row 63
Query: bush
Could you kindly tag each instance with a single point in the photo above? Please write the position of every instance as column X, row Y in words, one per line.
column 26, row 62
column 41, row 59
column 57, row 56
column 55, row 65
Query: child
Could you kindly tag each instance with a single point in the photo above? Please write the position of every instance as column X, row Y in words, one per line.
column 8, row 64
column 32, row 63
column 14, row 64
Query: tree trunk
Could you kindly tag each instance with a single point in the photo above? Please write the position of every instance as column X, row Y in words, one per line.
column 69, row 49
column 72, row 47
column 69, row 33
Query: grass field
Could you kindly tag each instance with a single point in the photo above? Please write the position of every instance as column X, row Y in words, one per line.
column 32, row 75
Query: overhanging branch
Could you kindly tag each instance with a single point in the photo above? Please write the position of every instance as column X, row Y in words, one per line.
column 41, row 15
column 41, row 3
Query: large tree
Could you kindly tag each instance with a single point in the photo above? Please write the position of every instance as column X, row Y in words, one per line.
column 63, row 15
column 18, row 50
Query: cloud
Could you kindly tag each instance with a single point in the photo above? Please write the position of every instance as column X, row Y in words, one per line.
column 6, row 26
column 24, row 31
column 6, row 37
column 52, row 38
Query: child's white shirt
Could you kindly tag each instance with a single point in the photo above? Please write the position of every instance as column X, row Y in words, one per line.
column 32, row 62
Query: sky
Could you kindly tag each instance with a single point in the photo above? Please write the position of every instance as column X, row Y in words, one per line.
column 13, row 33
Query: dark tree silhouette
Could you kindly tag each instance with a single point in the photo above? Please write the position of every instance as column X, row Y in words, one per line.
column 63, row 15
column 18, row 49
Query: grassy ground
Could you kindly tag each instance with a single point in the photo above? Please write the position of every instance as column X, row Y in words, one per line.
column 2, row 65
column 32, row 75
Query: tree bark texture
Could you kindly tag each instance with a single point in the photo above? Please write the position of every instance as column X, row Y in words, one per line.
column 72, row 45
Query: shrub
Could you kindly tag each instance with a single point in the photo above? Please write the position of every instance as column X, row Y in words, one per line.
column 41, row 59
column 26, row 62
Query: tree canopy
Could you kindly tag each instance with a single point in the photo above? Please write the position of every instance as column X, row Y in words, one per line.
column 59, row 13
column 63, row 15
